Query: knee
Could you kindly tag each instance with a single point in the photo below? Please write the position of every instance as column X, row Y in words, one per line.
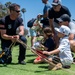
column 22, row 38
column 38, row 60
column 72, row 43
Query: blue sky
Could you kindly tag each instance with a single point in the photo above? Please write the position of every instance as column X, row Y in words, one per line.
column 34, row 7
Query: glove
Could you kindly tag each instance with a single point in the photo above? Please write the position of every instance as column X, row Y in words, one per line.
column 36, row 45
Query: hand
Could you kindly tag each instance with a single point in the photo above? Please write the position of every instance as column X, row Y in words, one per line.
column 41, row 46
column 35, row 24
column 37, row 45
column 15, row 38
column 45, row 52
column 39, row 16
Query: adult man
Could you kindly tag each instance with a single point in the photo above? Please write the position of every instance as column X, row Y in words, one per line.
column 55, row 12
column 45, row 20
column 11, row 22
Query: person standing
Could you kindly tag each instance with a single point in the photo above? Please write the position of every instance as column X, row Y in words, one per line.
column 45, row 19
column 11, row 22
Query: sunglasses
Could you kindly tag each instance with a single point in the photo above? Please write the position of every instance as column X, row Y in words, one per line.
column 54, row 6
column 61, row 22
column 17, row 11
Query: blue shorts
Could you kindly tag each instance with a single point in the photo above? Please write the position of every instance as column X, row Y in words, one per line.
column 32, row 32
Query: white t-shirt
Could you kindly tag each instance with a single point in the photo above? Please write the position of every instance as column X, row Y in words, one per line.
column 72, row 27
column 65, row 52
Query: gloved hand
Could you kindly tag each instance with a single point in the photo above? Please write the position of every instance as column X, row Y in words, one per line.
column 36, row 44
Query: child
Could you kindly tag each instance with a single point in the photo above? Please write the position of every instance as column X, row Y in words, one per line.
column 36, row 25
column 63, row 50
column 48, row 44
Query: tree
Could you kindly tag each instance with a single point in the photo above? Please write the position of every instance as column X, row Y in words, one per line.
column 4, row 9
column 7, row 4
column 23, row 10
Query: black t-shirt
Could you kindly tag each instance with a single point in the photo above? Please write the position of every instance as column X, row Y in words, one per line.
column 54, row 15
column 49, row 43
column 11, row 25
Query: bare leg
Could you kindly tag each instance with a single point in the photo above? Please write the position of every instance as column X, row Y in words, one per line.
column 33, row 39
column 72, row 43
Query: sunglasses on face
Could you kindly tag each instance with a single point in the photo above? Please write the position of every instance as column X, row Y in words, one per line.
column 61, row 22
column 54, row 6
column 17, row 11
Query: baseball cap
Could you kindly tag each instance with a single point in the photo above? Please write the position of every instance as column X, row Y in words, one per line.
column 64, row 17
column 63, row 29
column 56, row 2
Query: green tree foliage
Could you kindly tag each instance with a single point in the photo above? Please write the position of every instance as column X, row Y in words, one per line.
column 4, row 9
column 23, row 10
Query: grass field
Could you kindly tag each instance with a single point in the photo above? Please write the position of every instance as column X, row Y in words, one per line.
column 30, row 68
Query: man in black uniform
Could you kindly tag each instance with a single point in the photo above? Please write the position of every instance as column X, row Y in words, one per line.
column 11, row 22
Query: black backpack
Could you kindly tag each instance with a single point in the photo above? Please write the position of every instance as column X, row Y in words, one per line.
column 5, row 56
column 30, row 23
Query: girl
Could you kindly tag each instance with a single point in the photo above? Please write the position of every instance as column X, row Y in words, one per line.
column 48, row 44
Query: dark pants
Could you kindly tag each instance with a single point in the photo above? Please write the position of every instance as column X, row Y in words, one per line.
column 22, row 49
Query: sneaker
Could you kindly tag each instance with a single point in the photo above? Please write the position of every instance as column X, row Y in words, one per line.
column 67, row 66
column 22, row 62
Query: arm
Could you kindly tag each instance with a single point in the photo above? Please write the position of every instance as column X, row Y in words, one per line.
column 56, row 51
column 55, row 37
column 46, row 9
column 45, row 15
column 42, row 46
column 21, row 30
column 71, row 36
column 51, row 25
column 5, row 36
column 14, row 37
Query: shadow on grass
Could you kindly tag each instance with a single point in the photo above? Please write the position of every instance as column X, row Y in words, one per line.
column 28, row 70
column 3, row 65
column 30, row 61
column 10, row 66
column 41, row 71
column 30, row 55
column 45, row 67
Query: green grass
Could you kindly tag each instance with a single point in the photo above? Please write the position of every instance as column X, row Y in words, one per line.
column 30, row 68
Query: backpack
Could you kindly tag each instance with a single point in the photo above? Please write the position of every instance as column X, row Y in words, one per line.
column 30, row 23
column 5, row 56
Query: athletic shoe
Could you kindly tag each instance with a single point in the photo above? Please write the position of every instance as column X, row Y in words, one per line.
column 22, row 62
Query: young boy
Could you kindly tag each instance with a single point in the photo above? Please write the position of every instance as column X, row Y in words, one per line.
column 63, row 50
